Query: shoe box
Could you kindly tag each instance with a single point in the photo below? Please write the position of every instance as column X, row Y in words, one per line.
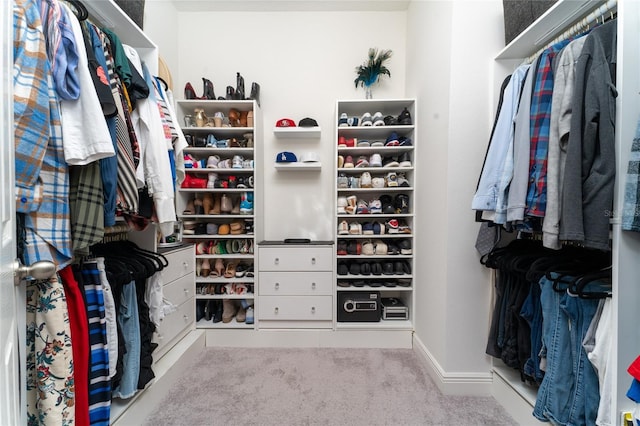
column 361, row 306
column 394, row 309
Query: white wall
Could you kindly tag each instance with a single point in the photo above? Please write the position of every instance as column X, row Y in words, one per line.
column 449, row 70
column 304, row 62
column 161, row 25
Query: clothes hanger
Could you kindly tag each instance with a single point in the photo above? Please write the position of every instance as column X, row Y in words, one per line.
column 81, row 11
column 593, row 285
column 164, row 83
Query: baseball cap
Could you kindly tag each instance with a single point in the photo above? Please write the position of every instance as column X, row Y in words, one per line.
column 286, row 157
column 285, row 122
column 309, row 157
column 308, row 122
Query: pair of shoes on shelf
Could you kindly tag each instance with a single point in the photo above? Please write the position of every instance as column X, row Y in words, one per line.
column 208, row 91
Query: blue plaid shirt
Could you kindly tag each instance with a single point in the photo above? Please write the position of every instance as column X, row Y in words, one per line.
column 540, row 125
column 42, row 182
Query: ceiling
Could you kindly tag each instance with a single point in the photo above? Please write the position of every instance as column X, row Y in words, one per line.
column 289, row 5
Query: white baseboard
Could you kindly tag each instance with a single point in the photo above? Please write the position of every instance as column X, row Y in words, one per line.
column 167, row 370
column 458, row 383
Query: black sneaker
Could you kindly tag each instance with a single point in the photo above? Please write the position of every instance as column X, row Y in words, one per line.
column 405, row 247
column 401, row 203
column 405, row 117
column 358, row 283
column 343, row 269
column 376, row 268
column 390, row 120
column 354, row 269
column 387, row 268
column 365, row 269
column 342, row 247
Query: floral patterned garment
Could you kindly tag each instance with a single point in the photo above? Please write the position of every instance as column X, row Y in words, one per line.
column 50, row 383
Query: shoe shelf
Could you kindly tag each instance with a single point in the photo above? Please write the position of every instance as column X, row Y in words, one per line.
column 227, row 139
column 297, row 132
column 226, row 131
column 395, row 145
column 298, row 166
column 372, row 236
column 372, row 133
column 378, row 190
column 219, row 151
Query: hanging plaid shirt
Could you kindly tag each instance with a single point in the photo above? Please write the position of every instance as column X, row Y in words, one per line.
column 540, row 120
column 30, row 104
column 42, row 187
column 61, row 49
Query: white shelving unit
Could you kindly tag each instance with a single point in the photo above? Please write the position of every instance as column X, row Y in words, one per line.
column 237, row 248
column 394, row 277
column 315, row 166
column 516, row 397
column 297, row 132
column 301, row 134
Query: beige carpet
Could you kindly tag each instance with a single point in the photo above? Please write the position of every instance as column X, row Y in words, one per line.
column 240, row 386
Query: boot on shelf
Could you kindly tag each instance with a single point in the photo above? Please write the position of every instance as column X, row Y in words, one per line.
column 231, row 93
column 208, row 89
column 239, row 87
column 255, row 92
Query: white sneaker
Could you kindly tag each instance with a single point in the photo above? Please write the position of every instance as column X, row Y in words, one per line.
column 365, row 180
column 377, row 182
column 375, row 160
column 342, row 205
column 343, row 228
column 211, row 182
column 392, row 179
column 237, row 162
column 375, row 206
column 355, row 228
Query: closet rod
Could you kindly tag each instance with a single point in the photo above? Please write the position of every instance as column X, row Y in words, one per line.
column 582, row 25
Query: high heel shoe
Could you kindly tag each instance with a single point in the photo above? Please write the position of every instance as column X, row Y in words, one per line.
column 189, row 92
column 205, row 269
column 208, row 89
column 255, row 92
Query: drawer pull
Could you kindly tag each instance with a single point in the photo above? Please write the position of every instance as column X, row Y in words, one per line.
column 277, row 286
column 185, row 265
column 275, row 310
column 313, row 309
column 186, row 291
column 276, row 261
column 313, row 260
column 313, row 286
column 186, row 318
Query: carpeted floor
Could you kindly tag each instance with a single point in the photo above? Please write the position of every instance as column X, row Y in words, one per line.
column 318, row 386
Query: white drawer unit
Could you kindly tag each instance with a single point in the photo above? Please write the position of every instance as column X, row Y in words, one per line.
column 178, row 288
column 299, row 258
column 295, row 308
column 296, row 285
column 181, row 263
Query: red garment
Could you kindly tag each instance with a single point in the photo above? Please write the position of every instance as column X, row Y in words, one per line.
column 79, row 344
column 634, row 368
